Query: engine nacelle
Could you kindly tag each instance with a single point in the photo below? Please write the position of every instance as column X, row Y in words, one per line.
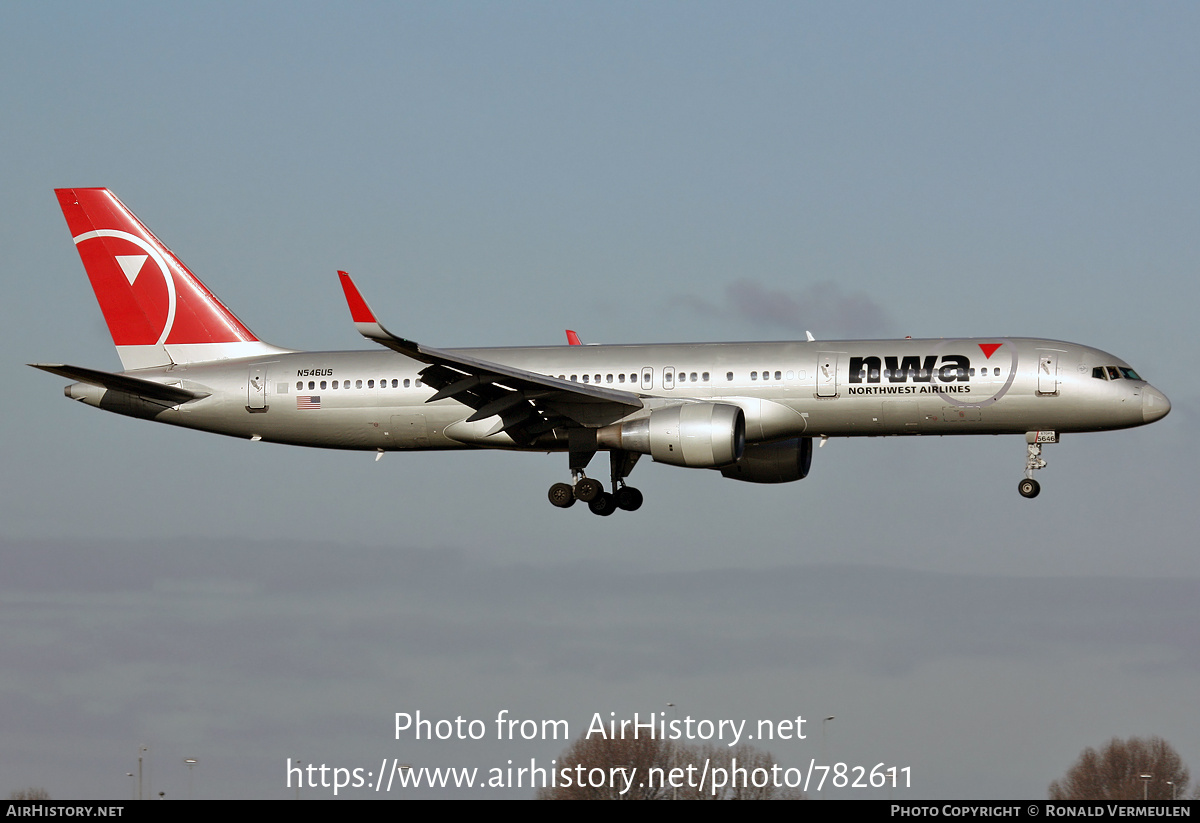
column 780, row 462
column 694, row 435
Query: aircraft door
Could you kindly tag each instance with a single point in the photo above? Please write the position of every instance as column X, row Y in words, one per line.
column 256, row 389
column 1047, row 371
column 827, row 366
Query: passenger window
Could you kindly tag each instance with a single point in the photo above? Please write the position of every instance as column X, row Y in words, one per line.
column 311, row 385
column 585, row 378
column 299, row 385
column 753, row 375
column 729, row 376
column 704, row 377
column 322, row 384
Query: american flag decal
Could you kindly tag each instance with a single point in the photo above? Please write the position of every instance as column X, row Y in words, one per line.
column 308, row 401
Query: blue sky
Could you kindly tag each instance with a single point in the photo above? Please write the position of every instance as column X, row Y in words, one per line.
column 494, row 173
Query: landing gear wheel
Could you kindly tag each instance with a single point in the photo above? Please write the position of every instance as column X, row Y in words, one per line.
column 628, row 498
column 1029, row 488
column 603, row 504
column 588, row 489
column 562, row 495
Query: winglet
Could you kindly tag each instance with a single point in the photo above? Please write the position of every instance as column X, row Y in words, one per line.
column 365, row 322
column 360, row 312
column 573, row 339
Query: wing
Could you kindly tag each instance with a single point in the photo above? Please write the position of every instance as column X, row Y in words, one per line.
column 527, row 404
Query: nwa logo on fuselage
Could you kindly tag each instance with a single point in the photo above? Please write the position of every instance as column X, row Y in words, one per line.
column 949, row 369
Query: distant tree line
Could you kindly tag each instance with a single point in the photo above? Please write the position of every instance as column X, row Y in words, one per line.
column 1125, row 770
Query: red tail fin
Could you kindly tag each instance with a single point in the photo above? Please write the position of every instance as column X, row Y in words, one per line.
column 157, row 311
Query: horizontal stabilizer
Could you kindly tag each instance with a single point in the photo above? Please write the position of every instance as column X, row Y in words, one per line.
column 171, row 395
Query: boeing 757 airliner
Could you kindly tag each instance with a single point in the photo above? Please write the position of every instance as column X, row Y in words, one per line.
column 748, row 410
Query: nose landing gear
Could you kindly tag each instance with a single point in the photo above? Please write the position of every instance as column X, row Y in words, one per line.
column 1030, row 488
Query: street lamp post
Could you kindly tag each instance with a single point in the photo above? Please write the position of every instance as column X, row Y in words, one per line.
column 824, row 759
column 190, row 761
column 141, row 751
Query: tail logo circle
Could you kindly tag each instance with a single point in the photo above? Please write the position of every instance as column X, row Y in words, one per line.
column 132, row 265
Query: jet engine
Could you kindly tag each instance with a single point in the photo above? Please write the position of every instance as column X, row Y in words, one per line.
column 780, row 462
column 695, row 435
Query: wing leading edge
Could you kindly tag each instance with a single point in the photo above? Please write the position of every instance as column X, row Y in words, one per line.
column 528, row 404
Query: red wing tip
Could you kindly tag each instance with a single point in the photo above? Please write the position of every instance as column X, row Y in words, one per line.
column 360, row 312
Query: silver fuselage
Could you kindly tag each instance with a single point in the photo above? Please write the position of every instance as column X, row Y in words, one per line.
column 843, row 388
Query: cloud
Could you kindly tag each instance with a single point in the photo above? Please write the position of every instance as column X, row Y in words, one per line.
column 823, row 308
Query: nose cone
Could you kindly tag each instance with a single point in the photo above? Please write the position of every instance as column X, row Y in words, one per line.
column 1155, row 404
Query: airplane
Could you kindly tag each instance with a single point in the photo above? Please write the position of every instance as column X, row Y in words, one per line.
column 748, row 410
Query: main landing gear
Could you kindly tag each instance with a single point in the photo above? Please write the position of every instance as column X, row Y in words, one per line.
column 1029, row 487
column 591, row 491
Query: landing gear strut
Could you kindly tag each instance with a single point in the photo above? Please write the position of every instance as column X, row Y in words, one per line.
column 1029, row 487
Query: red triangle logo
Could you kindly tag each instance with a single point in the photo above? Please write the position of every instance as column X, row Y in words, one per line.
column 989, row 349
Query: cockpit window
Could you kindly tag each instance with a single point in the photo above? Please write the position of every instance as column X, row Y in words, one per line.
column 1113, row 374
column 1129, row 373
column 1098, row 373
